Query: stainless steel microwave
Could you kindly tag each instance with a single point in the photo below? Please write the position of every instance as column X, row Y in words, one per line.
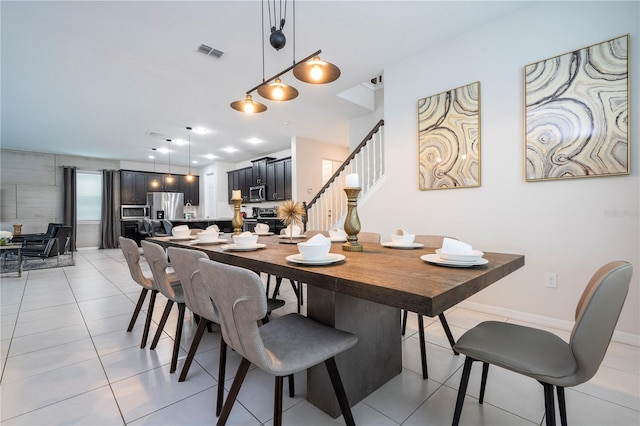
column 134, row 212
column 257, row 193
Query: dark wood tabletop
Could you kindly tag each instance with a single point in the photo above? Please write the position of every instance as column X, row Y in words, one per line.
column 394, row 277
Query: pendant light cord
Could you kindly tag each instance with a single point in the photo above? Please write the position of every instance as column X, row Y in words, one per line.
column 262, row 35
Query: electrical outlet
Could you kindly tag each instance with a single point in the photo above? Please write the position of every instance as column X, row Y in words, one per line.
column 551, row 279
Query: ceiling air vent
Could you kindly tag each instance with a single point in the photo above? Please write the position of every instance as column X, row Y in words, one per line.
column 210, row 51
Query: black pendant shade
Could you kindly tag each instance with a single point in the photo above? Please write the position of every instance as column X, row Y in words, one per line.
column 316, row 71
column 277, row 91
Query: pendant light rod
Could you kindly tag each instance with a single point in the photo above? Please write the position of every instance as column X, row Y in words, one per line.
column 284, row 71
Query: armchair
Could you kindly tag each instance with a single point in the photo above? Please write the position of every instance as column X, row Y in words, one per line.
column 49, row 247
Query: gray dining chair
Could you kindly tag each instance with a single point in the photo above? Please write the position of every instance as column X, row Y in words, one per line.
column 158, row 262
column 196, row 297
column 544, row 356
column 131, row 253
column 428, row 241
column 282, row 347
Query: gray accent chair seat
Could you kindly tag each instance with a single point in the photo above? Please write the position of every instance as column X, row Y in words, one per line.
column 282, row 347
column 544, row 356
column 131, row 253
column 196, row 297
column 158, row 262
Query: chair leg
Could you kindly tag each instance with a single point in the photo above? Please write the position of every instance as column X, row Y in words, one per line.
column 147, row 323
column 292, row 387
column 163, row 321
column 561, row 405
column 462, row 390
column 136, row 311
column 222, row 365
column 447, row 331
column 423, row 347
column 204, row 323
column 233, row 393
column 334, row 375
column 549, row 409
column 176, row 342
column 276, row 289
column 277, row 402
column 268, row 284
column 404, row 321
column 483, row 383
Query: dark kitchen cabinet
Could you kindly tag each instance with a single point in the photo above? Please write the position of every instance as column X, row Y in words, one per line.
column 171, row 183
column 279, row 178
column 129, row 229
column 159, row 182
column 239, row 179
column 259, row 171
column 133, row 187
column 190, row 189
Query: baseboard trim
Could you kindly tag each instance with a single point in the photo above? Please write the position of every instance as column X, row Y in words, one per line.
column 618, row 336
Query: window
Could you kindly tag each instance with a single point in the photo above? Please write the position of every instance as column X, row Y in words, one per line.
column 89, row 195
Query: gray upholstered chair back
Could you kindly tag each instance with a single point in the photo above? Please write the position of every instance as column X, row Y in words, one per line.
column 368, row 237
column 596, row 316
column 157, row 260
column 131, row 253
column 241, row 303
column 196, row 295
column 431, row 240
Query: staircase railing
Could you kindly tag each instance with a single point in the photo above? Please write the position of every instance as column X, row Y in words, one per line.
column 329, row 207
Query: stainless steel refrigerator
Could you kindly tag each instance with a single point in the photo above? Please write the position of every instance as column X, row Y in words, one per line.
column 166, row 205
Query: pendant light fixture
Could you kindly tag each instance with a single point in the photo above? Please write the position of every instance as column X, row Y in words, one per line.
column 154, row 182
column 189, row 177
column 309, row 70
column 169, row 179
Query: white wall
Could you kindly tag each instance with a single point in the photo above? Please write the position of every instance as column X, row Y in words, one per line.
column 560, row 226
column 307, row 165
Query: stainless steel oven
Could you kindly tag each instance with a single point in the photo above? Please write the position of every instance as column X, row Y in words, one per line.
column 134, row 212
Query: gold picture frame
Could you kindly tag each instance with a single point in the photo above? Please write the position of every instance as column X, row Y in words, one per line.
column 577, row 113
column 449, row 139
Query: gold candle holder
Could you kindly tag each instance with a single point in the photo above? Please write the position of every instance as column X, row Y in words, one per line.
column 237, row 221
column 352, row 222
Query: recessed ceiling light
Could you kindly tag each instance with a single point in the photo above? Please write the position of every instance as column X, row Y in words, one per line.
column 255, row 141
column 163, row 150
column 210, row 156
column 179, row 141
column 152, row 157
column 229, row 149
column 200, row 130
column 194, row 161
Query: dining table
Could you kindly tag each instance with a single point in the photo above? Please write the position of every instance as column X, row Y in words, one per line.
column 363, row 293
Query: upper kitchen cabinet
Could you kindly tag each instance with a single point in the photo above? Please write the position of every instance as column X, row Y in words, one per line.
column 279, row 178
column 259, row 171
column 191, row 190
column 240, row 179
column 173, row 185
column 133, row 187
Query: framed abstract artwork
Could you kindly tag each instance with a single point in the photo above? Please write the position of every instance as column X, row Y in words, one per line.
column 449, row 139
column 577, row 113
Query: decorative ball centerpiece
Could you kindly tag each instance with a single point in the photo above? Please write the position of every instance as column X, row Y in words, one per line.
column 290, row 213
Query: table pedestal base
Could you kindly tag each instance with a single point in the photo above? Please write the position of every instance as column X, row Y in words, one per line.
column 373, row 361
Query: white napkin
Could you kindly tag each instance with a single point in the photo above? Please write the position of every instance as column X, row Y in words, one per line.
column 316, row 240
column 213, row 228
column 451, row 246
column 181, row 227
column 245, row 234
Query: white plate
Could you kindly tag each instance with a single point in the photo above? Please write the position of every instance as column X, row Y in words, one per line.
column 181, row 238
column 233, row 247
column 331, row 258
column 471, row 257
column 295, row 237
column 402, row 246
column 208, row 243
column 263, row 234
column 434, row 258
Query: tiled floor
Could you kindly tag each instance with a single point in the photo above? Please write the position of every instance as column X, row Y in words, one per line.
column 67, row 359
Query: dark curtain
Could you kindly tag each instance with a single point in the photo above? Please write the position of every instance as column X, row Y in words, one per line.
column 109, row 218
column 69, row 207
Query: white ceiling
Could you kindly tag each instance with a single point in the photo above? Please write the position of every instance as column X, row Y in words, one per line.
column 91, row 78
